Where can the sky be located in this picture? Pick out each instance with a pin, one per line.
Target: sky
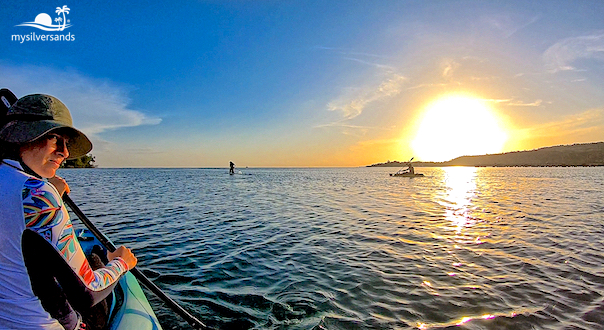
(268, 83)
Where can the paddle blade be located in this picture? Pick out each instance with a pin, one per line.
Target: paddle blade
(8, 98)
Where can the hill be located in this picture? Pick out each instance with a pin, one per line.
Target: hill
(585, 154)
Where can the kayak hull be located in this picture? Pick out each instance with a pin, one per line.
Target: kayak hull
(407, 175)
(134, 310)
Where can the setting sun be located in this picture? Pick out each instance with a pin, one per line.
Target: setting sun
(456, 126)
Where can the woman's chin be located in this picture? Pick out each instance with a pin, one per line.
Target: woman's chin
(48, 172)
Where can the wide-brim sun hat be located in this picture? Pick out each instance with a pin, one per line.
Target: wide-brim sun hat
(35, 115)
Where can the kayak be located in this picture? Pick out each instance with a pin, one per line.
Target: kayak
(130, 308)
(409, 175)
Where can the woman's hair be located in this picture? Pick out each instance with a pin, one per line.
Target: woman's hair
(9, 151)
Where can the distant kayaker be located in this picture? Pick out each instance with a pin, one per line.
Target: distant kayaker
(410, 169)
(232, 169)
(46, 281)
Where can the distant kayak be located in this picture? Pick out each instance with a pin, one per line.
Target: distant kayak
(408, 172)
(409, 175)
(130, 308)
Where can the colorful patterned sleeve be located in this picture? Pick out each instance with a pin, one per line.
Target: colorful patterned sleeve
(45, 214)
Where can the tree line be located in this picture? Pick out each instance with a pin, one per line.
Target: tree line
(85, 161)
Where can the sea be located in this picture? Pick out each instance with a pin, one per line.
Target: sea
(354, 248)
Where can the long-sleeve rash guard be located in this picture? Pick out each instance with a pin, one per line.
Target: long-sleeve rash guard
(41, 238)
(45, 214)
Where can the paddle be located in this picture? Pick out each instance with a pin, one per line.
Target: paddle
(192, 320)
(408, 164)
(7, 99)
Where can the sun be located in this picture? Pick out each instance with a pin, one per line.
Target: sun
(455, 126)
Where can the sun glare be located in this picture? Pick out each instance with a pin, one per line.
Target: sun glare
(456, 126)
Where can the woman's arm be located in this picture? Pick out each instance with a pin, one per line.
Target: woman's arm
(46, 215)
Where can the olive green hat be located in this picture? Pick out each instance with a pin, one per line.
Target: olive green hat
(33, 116)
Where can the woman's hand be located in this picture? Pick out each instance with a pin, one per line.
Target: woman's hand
(125, 254)
(60, 184)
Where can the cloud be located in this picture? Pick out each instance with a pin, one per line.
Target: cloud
(342, 124)
(353, 130)
(358, 57)
(96, 105)
(587, 126)
(377, 65)
(353, 106)
(449, 68)
(522, 104)
(507, 24)
(560, 56)
(348, 52)
(515, 103)
(497, 100)
(420, 86)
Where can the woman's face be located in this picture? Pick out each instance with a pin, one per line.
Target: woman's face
(45, 155)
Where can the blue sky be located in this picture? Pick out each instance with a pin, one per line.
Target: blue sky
(307, 83)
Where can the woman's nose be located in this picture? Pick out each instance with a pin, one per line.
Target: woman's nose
(62, 148)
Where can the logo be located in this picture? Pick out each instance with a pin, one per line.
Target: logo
(44, 22)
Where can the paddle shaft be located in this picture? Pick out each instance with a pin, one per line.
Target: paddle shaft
(192, 320)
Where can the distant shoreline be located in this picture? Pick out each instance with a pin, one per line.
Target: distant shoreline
(575, 155)
(424, 164)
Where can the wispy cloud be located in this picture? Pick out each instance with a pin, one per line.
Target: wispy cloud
(515, 103)
(377, 65)
(96, 105)
(420, 86)
(348, 128)
(523, 104)
(352, 107)
(587, 126)
(360, 57)
(349, 52)
(560, 56)
(509, 25)
(449, 68)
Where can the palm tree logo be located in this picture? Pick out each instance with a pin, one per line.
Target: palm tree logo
(63, 11)
(44, 22)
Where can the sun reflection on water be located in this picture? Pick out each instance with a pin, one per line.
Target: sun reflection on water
(460, 185)
(463, 320)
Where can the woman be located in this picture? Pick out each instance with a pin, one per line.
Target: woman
(44, 275)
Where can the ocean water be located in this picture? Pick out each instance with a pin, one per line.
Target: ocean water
(353, 248)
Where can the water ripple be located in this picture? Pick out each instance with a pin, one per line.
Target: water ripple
(477, 248)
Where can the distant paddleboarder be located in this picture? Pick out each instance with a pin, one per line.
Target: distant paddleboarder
(232, 169)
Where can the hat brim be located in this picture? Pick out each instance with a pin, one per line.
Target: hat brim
(23, 131)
